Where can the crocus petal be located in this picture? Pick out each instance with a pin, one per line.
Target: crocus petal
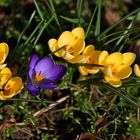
(137, 70)
(76, 59)
(4, 50)
(66, 55)
(107, 71)
(65, 39)
(57, 73)
(102, 58)
(114, 58)
(31, 74)
(88, 49)
(123, 71)
(47, 85)
(92, 71)
(44, 66)
(5, 75)
(82, 70)
(4, 47)
(52, 43)
(33, 61)
(78, 46)
(79, 32)
(128, 58)
(114, 81)
(2, 66)
(33, 89)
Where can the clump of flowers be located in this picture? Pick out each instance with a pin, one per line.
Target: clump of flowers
(69, 45)
(9, 86)
(115, 67)
(43, 74)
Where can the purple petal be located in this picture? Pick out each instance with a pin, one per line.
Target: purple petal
(33, 89)
(33, 61)
(57, 73)
(45, 84)
(31, 73)
(44, 66)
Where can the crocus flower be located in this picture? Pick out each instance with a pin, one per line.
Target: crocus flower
(90, 56)
(43, 74)
(69, 45)
(116, 66)
(9, 86)
(137, 70)
(4, 50)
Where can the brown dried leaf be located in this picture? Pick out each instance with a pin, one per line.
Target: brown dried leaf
(111, 17)
(100, 123)
(86, 136)
(7, 124)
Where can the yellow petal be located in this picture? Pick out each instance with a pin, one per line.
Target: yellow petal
(107, 71)
(66, 38)
(4, 50)
(5, 74)
(76, 59)
(128, 58)
(114, 58)
(79, 32)
(78, 46)
(137, 70)
(82, 70)
(92, 71)
(12, 87)
(102, 57)
(4, 47)
(2, 66)
(66, 55)
(52, 43)
(114, 81)
(88, 49)
(123, 71)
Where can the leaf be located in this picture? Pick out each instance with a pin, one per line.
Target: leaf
(7, 124)
(73, 20)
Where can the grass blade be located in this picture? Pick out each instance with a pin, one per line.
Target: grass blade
(90, 23)
(38, 10)
(98, 22)
(79, 8)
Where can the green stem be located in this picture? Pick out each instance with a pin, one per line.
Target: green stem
(30, 100)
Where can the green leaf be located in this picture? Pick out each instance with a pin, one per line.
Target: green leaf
(73, 20)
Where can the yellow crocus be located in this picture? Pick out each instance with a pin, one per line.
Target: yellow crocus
(90, 56)
(137, 70)
(116, 66)
(4, 50)
(69, 45)
(9, 86)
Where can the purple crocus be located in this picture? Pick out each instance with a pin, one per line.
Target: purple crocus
(43, 74)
